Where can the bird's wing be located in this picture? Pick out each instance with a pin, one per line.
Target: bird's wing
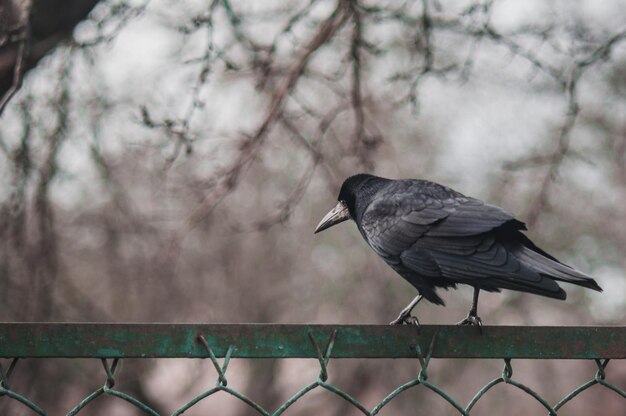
(441, 237)
(464, 247)
(480, 260)
(434, 236)
(396, 221)
(398, 218)
(472, 217)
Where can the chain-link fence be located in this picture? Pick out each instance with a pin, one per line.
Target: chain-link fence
(111, 343)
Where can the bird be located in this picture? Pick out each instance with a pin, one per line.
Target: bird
(436, 237)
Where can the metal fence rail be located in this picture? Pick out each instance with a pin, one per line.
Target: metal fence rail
(112, 342)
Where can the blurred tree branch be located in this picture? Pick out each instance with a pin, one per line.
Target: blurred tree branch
(28, 31)
(116, 148)
(251, 144)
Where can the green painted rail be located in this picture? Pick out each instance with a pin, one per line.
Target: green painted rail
(110, 340)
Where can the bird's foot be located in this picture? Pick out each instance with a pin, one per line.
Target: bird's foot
(405, 319)
(472, 320)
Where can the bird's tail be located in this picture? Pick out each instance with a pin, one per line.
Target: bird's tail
(554, 269)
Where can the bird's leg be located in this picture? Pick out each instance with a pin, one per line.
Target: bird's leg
(405, 316)
(472, 317)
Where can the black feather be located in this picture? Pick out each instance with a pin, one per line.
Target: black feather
(436, 237)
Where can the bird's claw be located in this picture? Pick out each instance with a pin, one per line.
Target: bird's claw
(472, 320)
(405, 319)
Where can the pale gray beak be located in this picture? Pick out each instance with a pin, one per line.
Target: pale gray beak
(336, 215)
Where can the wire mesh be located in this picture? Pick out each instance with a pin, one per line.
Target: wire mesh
(322, 346)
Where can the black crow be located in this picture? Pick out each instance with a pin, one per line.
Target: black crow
(434, 237)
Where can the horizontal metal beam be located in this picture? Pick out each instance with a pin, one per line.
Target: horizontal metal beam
(105, 340)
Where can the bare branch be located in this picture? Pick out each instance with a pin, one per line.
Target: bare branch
(21, 38)
(571, 115)
(251, 144)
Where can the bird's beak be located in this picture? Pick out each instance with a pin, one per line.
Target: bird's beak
(336, 215)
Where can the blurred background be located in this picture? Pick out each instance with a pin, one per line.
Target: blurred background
(167, 161)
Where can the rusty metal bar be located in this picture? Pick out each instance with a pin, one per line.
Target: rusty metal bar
(107, 340)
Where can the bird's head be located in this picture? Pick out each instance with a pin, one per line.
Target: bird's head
(347, 201)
